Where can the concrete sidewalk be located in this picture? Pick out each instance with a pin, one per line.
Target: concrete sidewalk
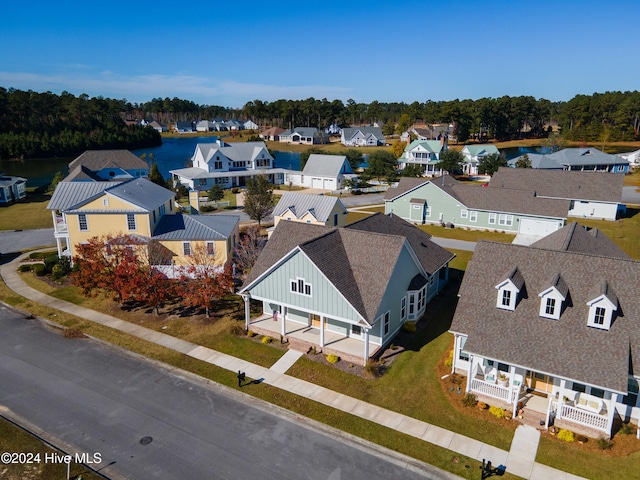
(520, 460)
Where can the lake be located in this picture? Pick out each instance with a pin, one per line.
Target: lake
(174, 153)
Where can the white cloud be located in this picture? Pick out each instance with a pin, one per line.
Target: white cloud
(143, 88)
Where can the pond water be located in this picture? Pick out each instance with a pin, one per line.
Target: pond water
(174, 153)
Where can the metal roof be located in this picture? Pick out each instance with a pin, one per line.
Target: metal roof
(196, 227)
(301, 203)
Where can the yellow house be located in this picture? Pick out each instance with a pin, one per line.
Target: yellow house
(314, 209)
(138, 207)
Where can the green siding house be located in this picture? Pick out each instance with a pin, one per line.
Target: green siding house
(444, 200)
(344, 290)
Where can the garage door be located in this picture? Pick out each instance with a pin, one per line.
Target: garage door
(537, 227)
(317, 183)
(329, 184)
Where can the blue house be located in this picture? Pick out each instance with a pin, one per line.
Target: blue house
(577, 159)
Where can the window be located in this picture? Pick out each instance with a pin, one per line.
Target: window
(427, 212)
(211, 250)
(163, 209)
(632, 397)
(492, 219)
(202, 182)
(217, 165)
(463, 355)
(464, 213)
(186, 248)
(403, 308)
(385, 323)
(335, 219)
(506, 298)
(356, 330)
(82, 222)
(473, 216)
(578, 387)
(105, 202)
(411, 303)
(300, 286)
(131, 221)
(598, 319)
(550, 307)
(154, 216)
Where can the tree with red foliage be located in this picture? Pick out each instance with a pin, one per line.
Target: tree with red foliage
(204, 282)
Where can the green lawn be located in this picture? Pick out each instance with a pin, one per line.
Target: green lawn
(30, 213)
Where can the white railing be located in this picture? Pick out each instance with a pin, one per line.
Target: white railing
(490, 389)
(61, 225)
(583, 417)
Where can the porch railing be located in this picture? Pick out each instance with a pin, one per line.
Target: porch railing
(61, 225)
(490, 389)
(583, 417)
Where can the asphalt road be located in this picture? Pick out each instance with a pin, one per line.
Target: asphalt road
(100, 400)
(13, 241)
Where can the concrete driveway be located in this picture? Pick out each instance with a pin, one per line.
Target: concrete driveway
(630, 195)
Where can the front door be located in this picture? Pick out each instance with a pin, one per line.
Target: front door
(315, 321)
(540, 382)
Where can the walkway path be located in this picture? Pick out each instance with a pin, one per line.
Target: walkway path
(520, 460)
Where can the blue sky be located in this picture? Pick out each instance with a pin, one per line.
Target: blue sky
(228, 53)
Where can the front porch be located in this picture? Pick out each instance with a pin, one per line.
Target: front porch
(303, 337)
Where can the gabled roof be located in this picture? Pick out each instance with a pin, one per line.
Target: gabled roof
(303, 131)
(431, 256)
(326, 165)
(432, 146)
(245, 151)
(69, 195)
(585, 156)
(566, 347)
(7, 180)
(272, 132)
(515, 277)
(142, 192)
(344, 255)
(83, 174)
(300, 203)
(477, 197)
(575, 238)
(574, 185)
(349, 133)
(96, 160)
(484, 149)
(195, 227)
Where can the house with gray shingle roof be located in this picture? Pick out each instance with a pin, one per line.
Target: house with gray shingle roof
(345, 290)
(591, 194)
(362, 137)
(577, 159)
(307, 208)
(444, 200)
(139, 208)
(228, 165)
(304, 135)
(565, 329)
(106, 165)
(326, 172)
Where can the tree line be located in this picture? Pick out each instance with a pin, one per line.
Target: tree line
(44, 125)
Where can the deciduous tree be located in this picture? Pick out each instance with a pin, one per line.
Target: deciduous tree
(382, 165)
(491, 163)
(451, 160)
(259, 200)
(523, 162)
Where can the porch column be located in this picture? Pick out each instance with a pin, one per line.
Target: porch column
(322, 331)
(446, 273)
(59, 245)
(612, 411)
(283, 328)
(366, 346)
(247, 311)
(512, 390)
(467, 389)
(563, 384)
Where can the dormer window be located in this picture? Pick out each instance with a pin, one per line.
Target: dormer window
(551, 299)
(602, 307)
(509, 289)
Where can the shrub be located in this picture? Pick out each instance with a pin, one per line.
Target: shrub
(49, 262)
(581, 439)
(333, 358)
(207, 208)
(469, 400)
(625, 429)
(567, 436)
(409, 327)
(266, 340)
(497, 411)
(25, 268)
(56, 272)
(449, 361)
(235, 190)
(372, 368)
(508, 414)
(604, 443)
(40, 270)
(251, 333)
